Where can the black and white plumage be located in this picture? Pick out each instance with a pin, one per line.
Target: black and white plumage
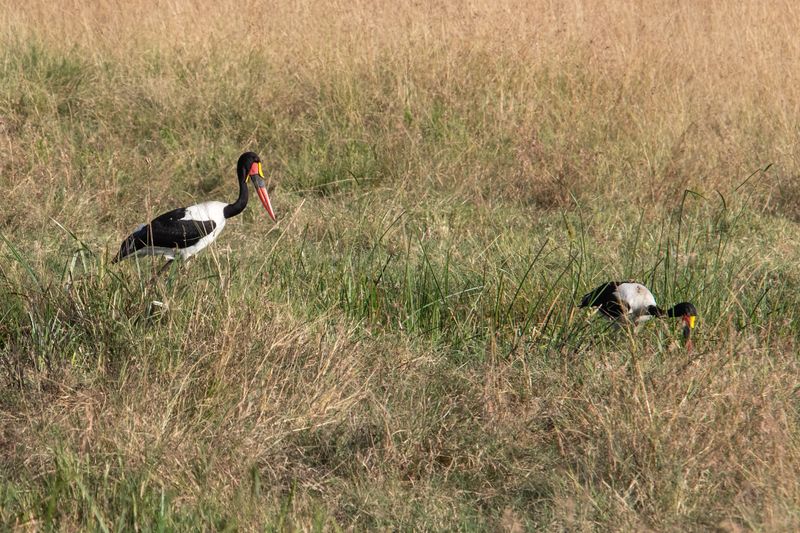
(633, 303)
(185, 231)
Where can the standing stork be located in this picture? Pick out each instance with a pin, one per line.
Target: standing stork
(185, 231)
(634, 303)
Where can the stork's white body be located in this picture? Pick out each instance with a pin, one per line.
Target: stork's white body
(637, 298)
(203, 212)
(200, 212)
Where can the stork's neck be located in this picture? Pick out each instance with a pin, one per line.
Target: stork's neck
(231, 210)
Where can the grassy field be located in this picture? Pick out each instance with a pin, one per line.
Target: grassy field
(402, 349)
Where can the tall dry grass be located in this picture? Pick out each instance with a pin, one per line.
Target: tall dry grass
(402, 350)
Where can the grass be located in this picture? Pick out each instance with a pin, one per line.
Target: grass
(402, 349)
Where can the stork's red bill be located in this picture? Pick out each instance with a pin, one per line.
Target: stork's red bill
(257, 177)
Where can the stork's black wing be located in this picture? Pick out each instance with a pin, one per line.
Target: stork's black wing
(599, 295)
(169, 231)
(166, 231)
(603, 297)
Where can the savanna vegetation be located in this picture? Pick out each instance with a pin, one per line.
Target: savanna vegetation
(402, 349)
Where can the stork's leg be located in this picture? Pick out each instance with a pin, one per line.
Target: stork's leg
(161, 270)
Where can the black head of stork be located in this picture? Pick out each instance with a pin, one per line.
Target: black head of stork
(249, 168)
(687, 312)
(185, 231)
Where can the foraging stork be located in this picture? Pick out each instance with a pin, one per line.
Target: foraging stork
(634, 303)
(185, 231)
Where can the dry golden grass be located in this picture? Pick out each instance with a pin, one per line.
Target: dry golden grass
(402, 350)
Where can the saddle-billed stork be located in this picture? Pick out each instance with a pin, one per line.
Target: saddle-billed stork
(634, 303)
(185, 231)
